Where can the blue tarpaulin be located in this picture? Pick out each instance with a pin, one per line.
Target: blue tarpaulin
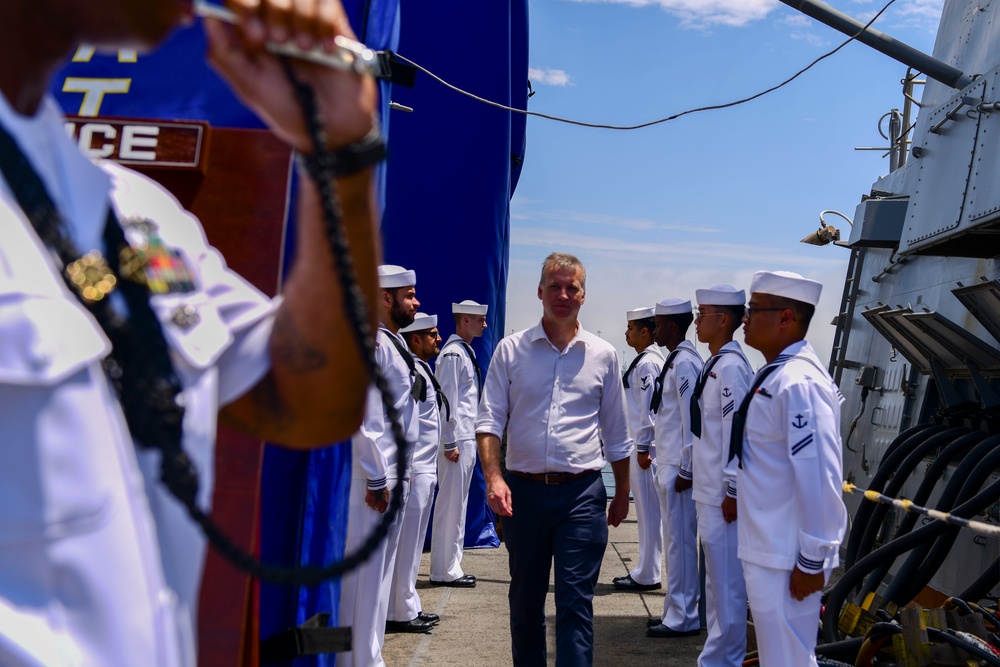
(446, 187)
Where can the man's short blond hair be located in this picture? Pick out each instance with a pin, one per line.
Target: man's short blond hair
(561, 261)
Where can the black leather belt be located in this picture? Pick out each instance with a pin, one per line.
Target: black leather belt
(552, 477)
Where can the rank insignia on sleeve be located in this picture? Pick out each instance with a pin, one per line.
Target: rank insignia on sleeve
(645, 382)
(800, 422)
(147, 260)
(727, 392)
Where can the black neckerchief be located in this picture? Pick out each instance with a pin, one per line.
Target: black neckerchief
(657, 398)
(442, 400)
(631, 367)
(699, 389)
(475, 364)
(419, 389)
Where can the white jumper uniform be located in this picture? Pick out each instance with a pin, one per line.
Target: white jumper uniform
(791, 508)
(714, 477)
(99, 565)
(647, 503)
(364, 593)
(677, 511)
(456, 371)
(404, 601)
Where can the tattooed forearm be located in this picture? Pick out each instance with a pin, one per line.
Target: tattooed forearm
(290, 349)
(260, 413)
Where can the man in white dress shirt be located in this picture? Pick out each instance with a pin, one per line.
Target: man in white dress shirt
(364, 593)
(672, 403)
(638, 381)
(722, 384)
(461, 381)
(786, 435)
(99, 564)
(405, 613)
(557, 390)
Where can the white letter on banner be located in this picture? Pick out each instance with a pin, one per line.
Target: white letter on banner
(87, 132)
(93, 92)
(139, 136)
(85, 52)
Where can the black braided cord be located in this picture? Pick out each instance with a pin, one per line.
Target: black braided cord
(321, 167)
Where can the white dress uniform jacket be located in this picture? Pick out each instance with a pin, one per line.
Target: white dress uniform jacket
(99, 565)
(458, 378)
(647, 504)
(677, 510)
(714, 477)
(791, 508)
(791, 511)
(459, 382)
(404, 601)
(672, 431)
(364, 594)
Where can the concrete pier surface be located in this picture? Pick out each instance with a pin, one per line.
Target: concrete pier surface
(475, 628)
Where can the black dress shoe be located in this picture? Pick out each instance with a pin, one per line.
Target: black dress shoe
(416, 625)
(627, 583)
(433, 619)
(661, 631)
(465, 581)
(652, 622)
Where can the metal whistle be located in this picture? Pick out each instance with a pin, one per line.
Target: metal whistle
(350, 56)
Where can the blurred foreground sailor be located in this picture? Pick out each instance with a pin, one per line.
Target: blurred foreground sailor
(99, 564)
(792, 516)
(672, 404)
(557, 390)
(638, 382)
(405, 611)
(461, 381)
(721, 386)
(364, 593)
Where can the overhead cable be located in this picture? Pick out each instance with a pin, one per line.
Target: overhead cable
(658, 121)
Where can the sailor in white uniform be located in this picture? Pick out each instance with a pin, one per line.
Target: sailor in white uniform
(638, 382)
(99, 564)
(364, 593)
(405, 613)
(671, 402)
(721, 386)
(461, 381)
(792, 516)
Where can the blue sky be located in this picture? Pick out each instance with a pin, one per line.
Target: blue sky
(711, 197)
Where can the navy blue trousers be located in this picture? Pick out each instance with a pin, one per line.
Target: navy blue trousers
(567, 524)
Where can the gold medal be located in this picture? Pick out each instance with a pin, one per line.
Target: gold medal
(91, 276)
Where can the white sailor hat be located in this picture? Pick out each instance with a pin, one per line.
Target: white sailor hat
(391, 276)
(672, 307)
(421, 322)
(787, 284)
(721, 295)
(468, 308)
(639, 314)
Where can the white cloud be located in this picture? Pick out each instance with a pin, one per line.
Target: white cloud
(548, 76)
(687, 253)
(930, 9)
(618, 222)
(795, 20)
(705, 13)
(809, 38)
